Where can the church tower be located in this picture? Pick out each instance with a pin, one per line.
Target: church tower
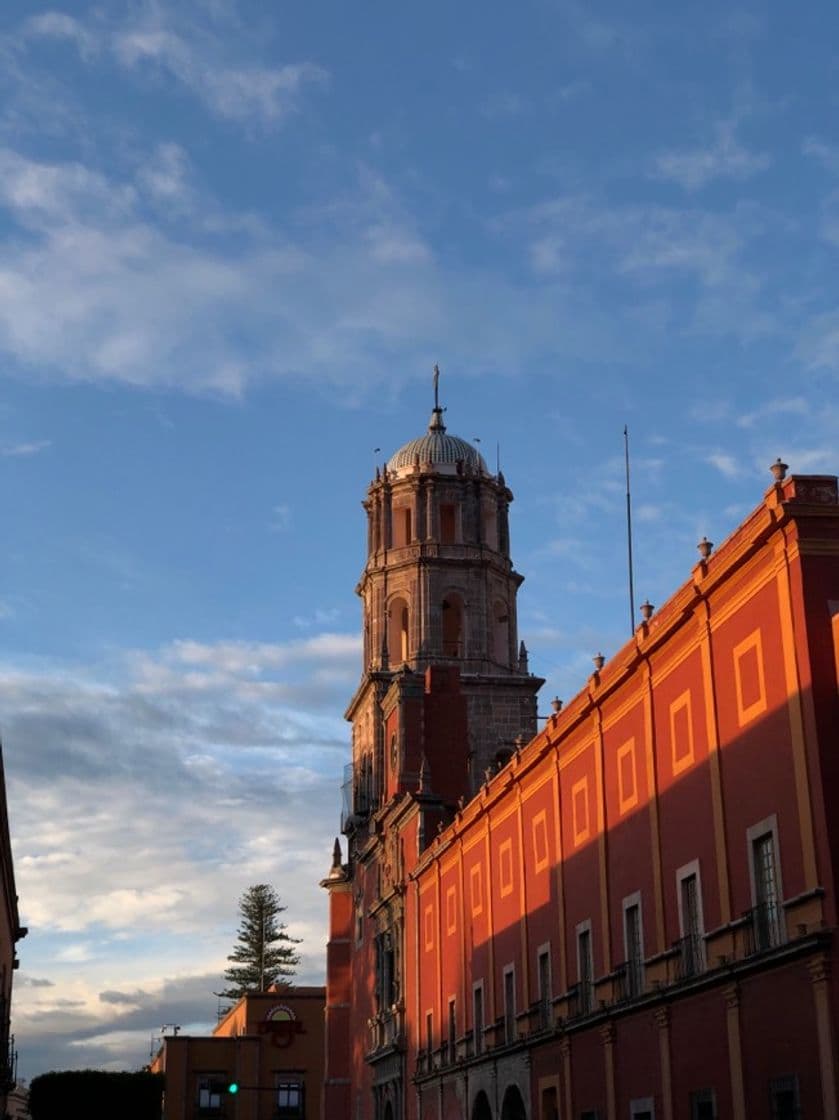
(439, 589)
(445, 696)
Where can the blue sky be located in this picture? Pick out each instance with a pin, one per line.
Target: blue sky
(234, 239)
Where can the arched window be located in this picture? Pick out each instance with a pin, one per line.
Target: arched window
(501, 633)
(453, 625)
(398, 645)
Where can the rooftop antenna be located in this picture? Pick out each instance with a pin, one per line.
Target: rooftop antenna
(629, 533)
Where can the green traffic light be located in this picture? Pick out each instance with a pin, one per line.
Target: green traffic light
(233, 1087)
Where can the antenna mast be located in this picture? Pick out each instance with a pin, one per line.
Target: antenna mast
(629, 533)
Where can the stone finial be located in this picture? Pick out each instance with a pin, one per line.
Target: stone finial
(522, 658)
(647, 610)
(336, 870)
(519, 741)
(423, 776)
(599, 661)
(705, 547)
(779, 470)
(556, 704)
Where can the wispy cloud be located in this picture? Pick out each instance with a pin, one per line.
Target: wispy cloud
(786, 406)
(193, 56)
(726, 464)
(144, 756)
(825, 153)
(24, 449)
(818, 346)
(724, 158)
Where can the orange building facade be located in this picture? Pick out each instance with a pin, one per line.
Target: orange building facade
(269, 1043)
(631, 913)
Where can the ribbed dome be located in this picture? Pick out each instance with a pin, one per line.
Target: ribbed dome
(437, 447)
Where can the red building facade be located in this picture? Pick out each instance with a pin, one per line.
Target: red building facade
(631, 913)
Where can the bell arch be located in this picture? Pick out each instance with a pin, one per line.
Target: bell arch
(398, 630)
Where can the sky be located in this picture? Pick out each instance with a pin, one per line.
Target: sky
(235, 237)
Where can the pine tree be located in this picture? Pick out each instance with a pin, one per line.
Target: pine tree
(264, 953)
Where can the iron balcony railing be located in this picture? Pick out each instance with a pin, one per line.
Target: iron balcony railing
(690, 956)
(764, 928)
(629, 980)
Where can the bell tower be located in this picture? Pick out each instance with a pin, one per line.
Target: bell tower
(445, 694)
(439, 589)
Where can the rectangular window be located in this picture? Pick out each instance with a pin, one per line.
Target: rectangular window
(478, 1017)
(290, 1100)
(642, 1109)
(692, 944)
(452, 1030)
(429, 1033)
(509, 1004)
(544, 973)
(703, 1105)
(585, 970)
(633, 946)
(210, 1090)
(766, 913)
(783, 1098)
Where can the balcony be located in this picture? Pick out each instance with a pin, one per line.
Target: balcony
(386, 1030)
(628, 980)
(764, 929)
(690, 956)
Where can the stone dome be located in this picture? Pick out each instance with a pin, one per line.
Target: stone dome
(438, 448)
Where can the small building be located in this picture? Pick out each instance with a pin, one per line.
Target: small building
(269, 1044)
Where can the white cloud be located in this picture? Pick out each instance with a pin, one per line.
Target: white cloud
(164, 174)
(827, 154)
(786, 406)
(238, 93)
(280, 517)
(726, 464)
(144, 796)
(25, 448)
(818, 346)
(58, 25)
(192, 54)
(725, 158)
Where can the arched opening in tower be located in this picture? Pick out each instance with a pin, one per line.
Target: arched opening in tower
(398, 637)
(481, 1108)
(453, 625)
(512, 1107)
(501, 634)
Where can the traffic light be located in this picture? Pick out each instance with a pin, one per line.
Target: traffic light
(221, 1085)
